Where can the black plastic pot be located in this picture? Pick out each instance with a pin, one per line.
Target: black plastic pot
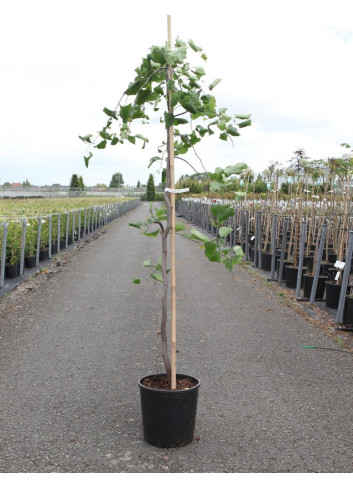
(266, 261)
(12, 271)
(43, 255)
(333, 292)
(292, 275)
(54, 248)
(348, 310)
(30, 261)
(168, 416)
(308, 285)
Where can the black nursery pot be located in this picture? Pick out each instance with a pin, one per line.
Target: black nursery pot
(30, 261)
(308, 285)
(12, 271)
(292, 276)
(43, 255)
(348, 311)
(333, 292)
(266, 261)
(168, 416)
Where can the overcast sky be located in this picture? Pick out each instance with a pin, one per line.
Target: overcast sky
(288, 63)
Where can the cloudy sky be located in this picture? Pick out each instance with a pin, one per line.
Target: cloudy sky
(288, 63)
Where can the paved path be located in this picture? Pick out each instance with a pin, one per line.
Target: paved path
(71, 352)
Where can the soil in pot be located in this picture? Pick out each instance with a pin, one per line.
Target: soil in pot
(168, 416)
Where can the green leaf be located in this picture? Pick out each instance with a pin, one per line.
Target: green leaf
(102, 144)
(233, 131)
(169, 119)
(211, 251)
(87, 158)
(243, 116)
(215, 83)
(147, 263)
(86, 139)
(136, 281)
(235, 169)
(199, 236)
(224, 231)
(215, 186)
(201, 130)
(193, 46)
(191, 103)
(105, 135)
(179, 227)
(245, 123)
(143, 95)
(176, 55)
(223, 136)
(157, 276)
(152, 234)
(158, 55)
(115, 141)
(222, 212)
(152, 160)
(125, 112)
(199, 71)
(133, 88)
(180, 120)
(110, 113)
(138, 224)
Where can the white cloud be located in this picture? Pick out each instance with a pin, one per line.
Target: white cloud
(287, 63)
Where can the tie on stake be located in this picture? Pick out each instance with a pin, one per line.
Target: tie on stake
(325, 348)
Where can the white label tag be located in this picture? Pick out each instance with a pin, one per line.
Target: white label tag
(176, 190)
(339, 264)
(337, 275)
(252, 239)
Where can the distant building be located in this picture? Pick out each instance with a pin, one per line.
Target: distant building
(15, 185)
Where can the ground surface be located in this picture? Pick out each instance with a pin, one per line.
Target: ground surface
(76, 337)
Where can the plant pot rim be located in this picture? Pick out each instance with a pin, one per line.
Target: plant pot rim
(172, 392)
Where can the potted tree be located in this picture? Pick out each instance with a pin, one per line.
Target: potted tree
(164, 76)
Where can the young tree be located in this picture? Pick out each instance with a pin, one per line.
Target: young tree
(74, 184)
(117, 180)
(81, 185)
(151, 190)
(165, 77)
(138, 185)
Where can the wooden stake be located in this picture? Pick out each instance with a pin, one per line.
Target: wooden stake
(172, 235)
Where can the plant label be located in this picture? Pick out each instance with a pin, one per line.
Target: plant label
(176, 190)
(339, 264)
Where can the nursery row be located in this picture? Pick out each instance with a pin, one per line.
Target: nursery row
(311, 255)
(27, 240)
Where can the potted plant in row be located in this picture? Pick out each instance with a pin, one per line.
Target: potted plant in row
(165, 77)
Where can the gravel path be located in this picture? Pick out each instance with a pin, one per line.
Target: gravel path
(76, 337)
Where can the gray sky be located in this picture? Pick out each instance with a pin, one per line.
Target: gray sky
(289, 64)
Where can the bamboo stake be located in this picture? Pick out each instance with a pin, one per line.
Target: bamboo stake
(172, 235)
